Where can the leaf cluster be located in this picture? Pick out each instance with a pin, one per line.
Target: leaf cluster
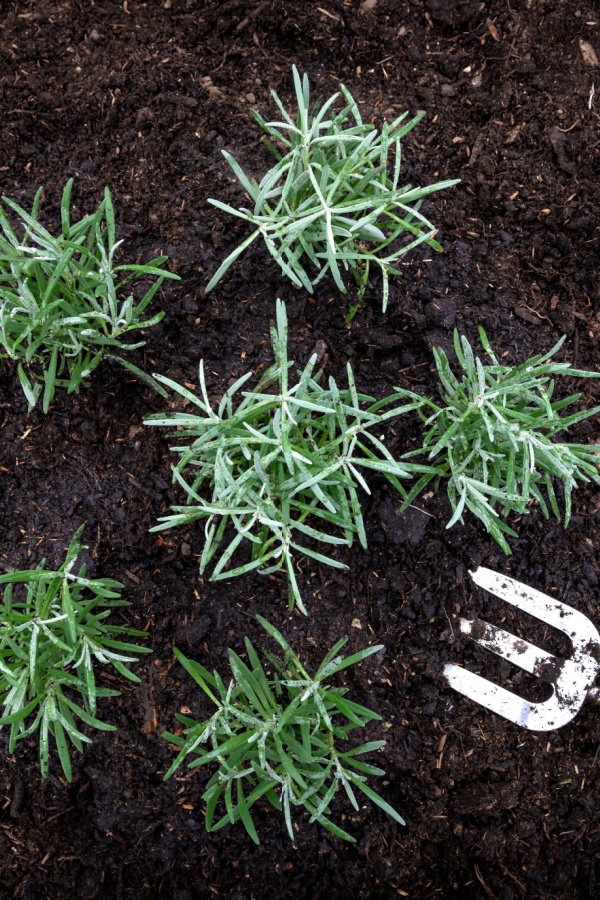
(60, 312)
(50, 643)
(279, 736)
(281, 459)
(493, 438)
(330, 204)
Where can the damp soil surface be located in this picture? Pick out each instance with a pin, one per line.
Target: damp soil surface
(143, 97)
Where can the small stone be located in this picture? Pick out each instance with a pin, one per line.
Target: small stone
(590, 575)
(192, 633)
(250, 97)
(94, 36)
(355, 623)
(186, 550)
(144, 116)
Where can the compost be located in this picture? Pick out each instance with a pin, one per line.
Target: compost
(143, 97)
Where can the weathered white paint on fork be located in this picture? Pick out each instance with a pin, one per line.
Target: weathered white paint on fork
(571, 679)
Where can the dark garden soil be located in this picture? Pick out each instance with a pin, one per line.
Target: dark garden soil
(143, 97)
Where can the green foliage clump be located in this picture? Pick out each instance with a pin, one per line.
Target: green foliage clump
(493, 437)
(50, 643)
(330, 204)
(60, 312)
(279, 735)
(279, 460)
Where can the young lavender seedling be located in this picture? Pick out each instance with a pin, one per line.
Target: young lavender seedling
(60, 311)
(281, 466)
(280, 736)
(493, 438)
(330, 204)
(51, 641)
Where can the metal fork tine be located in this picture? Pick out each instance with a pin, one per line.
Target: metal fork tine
(492, 696)
(534, 716)
(550, 611)
(515, 650)
(571, 679)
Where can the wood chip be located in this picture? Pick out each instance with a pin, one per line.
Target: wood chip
(513, 134)
(588, 53)
(492, 29)
(330, 15)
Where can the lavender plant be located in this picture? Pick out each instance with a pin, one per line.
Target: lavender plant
(284, 465)
(330, 205)
(493, 438)
(51, 642)
(61, 309)
(279, 735)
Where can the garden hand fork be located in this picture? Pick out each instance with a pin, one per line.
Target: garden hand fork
(571, 679)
